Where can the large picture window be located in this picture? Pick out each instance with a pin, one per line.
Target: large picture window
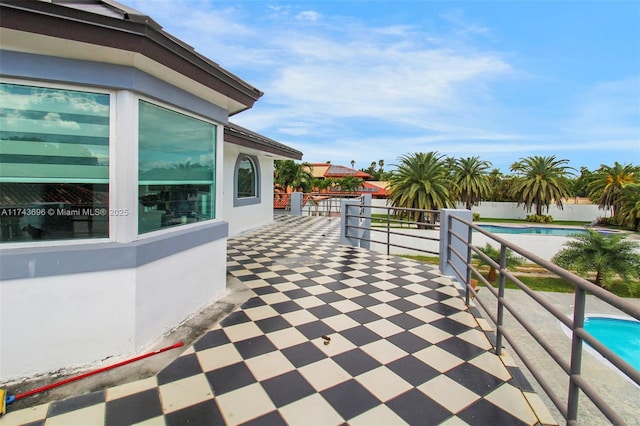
(54, 163)
(176, 168)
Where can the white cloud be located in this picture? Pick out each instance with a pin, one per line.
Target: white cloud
(335, 83)
(53, 119)
(309, 15)
(608, 110)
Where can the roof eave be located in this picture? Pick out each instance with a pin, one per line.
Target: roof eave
(243, 137)
(136, 33)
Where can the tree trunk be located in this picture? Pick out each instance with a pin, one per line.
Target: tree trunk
(421, 221)
(491, 277)
(598, 280)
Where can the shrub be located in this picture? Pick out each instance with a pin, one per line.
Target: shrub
(604, 221)
(539, 218)
(475, 216)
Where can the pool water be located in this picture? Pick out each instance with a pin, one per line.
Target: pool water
(533, 230)
(619, 335)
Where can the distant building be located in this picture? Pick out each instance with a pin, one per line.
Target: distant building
(324, 170)
(376, 189)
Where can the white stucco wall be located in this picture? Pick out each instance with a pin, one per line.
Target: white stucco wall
(75, 320)
(53, 322)
(173, 288)
(578, 212)
(244, 218)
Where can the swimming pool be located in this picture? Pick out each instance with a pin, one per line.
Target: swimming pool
(621, 336)
(533, 230)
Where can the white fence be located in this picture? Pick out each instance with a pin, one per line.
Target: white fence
(578, 212)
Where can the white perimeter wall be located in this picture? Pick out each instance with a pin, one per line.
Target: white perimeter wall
(244, 218)
(75, 320)
(578, 212)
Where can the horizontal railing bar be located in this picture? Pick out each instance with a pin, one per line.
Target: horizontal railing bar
(484, 257)
(600, 403)
(393, 245)
(540, 299)
(419, 237)
(457, 253)
(456, 235)
(487, 310)
(555, 355)
(618, 302)
(457, 271)
(560, 405)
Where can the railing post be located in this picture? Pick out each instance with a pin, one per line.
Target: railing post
(469, 257)
(388, 232)
(296, 204)
(576, 355)
(349, 219)
(501, 284)
(366, 222)
(461, 246)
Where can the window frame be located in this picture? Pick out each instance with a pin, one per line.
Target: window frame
(247, 201)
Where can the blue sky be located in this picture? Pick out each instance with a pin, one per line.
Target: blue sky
(372, 80)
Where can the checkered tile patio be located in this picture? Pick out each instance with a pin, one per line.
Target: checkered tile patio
(332, 335)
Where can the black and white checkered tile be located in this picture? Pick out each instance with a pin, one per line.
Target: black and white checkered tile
(333, 335)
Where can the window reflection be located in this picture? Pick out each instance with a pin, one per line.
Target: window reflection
(53, 211)
(54, 163)
(176, 168)
(246, 178)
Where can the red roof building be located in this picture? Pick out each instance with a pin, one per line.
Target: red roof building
(325, 170)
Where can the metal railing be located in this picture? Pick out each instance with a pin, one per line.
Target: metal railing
(394, 229)
(456, 254)
(572, 368)
(312, 203)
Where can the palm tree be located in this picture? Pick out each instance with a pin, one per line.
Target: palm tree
(605, 254)
(494, 254)
(291, 175)
(495, 181)
(349, 184)
(421, 182)
(470, 175)
(450, 163)
(629, 212)
(607, 182)
(579, 184)
(321, 184)
(372, 168)
(541, 181)
(353, 163)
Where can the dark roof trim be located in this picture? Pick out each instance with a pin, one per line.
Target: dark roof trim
(240, 136)
(133, 32)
